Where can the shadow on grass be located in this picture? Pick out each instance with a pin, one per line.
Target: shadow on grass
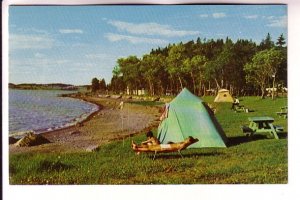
(53, 166)
(234, 141)
(185, 155)
(282, 135)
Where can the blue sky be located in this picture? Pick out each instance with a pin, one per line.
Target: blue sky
(73, 44)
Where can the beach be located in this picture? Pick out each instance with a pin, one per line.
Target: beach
(107, 124)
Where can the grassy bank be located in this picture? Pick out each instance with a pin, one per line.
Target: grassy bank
(259, 160)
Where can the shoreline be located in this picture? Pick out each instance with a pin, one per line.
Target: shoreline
(74, 122)
(87, 118)
(106, 124)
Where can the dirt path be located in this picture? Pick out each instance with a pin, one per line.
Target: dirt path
(110, 123)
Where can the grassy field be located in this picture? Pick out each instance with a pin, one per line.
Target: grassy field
(258, 160)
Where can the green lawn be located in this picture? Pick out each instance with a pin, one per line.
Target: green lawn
(259, 160)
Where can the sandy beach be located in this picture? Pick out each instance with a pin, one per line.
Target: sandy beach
(108, 124)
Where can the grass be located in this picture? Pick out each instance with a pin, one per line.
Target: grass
(256, 161)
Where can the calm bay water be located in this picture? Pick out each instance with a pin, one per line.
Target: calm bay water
(43, 110)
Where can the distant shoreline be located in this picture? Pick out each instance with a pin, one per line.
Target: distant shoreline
(50, 86)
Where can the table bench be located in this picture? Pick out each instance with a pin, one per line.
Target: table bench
(261, 125)
(283, 112)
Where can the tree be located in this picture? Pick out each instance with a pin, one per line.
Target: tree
(95, 85)
(130, 68)
(175, 62)
(225, 64)
(117, 83)
(244, 50)
(152, 66)
(116, 71)
(263, 66)
(195, 67)
(102, 85)
(280, 41)
(267, 43)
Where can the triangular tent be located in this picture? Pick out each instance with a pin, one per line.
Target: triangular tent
(223, 96)
(187, 115)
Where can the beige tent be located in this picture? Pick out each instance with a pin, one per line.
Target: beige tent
(223, 96)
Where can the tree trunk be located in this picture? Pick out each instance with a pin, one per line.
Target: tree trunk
(162, 90)
(231, 89)
(262, 92)
(150, 87)
(180, 81)
(200, 88)
(194, 85)
(218, 86)
(273, 88)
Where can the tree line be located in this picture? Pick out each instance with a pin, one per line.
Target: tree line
(243, 67)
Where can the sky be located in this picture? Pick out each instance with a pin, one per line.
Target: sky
(74, 44)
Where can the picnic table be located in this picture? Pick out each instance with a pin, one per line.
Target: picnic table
(262, 125)
(283, 112)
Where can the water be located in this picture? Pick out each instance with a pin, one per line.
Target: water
(43, 110)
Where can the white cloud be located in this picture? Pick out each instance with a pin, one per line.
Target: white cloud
(134, 40)
(251, 16)
(39, 55)
(25, 30)
(219, 15)
(35, 62)
(271, 17)
(100, 56)
(150, 29)
(70, 31)
(280, 22)
(203, 15)
(30, 41)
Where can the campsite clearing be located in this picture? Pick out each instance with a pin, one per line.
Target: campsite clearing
(255, 161)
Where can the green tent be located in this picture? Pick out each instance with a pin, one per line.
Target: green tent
(187, 115)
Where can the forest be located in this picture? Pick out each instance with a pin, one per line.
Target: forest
(204, 66)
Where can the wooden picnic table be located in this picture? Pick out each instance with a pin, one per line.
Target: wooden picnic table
(262, 125)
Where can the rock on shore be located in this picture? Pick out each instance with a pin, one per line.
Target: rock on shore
(31, 139)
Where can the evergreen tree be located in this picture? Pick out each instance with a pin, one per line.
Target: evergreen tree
(267, 43)
(95, 85)
(280, 41)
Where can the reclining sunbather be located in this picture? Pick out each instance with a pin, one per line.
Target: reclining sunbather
(164, 147)
(151, 140)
